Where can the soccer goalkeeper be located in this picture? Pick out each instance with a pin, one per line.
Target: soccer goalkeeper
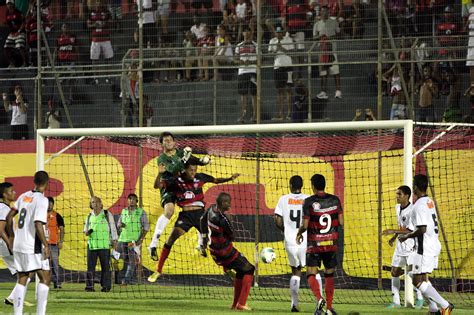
(171, 164)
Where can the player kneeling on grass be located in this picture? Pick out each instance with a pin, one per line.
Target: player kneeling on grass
(322, 219)
(427, 246)
(402, 250)
(223, 251)
(190, 197)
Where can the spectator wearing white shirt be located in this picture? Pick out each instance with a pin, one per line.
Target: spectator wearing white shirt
(246, 57)
(325, 30)
(282, 70)
(224, 55)
(198, 28)
(53, 116)
(19, 108)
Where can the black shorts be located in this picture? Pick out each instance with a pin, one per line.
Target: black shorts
(197, 4)
(329, 260)
(188, 219)
(282, 77)
(247, 84)
(19, 132)
(240, 264)
(149, 35)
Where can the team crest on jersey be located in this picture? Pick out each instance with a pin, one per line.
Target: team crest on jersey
(316, 206)
(404, 218)
(189, 195)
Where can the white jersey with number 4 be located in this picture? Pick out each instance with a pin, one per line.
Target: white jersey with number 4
(290, 208)
(424, 214)
(404, 223)
(32, 206)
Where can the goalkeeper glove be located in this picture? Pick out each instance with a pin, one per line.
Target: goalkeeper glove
(205, 160)
(186, 154)
(153, 254)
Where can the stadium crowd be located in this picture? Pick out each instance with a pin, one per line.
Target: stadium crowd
(200, 34)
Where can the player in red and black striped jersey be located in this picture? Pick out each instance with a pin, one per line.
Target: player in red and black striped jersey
(187, 189)
(323, 219)
(223, 251)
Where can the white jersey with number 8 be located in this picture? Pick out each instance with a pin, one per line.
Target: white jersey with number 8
(32, 206)
(290, 208)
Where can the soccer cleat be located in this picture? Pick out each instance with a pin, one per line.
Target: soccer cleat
(331, 312)
(240, 307)
(319, 307)
(295, 309)
(154, 277)
(393, 305)
(338, 94)
(448, 310)
(322, 95)
(8, 301)
(419, 304)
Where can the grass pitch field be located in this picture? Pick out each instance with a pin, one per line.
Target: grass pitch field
(73, 300)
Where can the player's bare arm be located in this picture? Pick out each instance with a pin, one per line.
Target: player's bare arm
(4, 236)
(9, 227)
(420, 230)
(224, 180)
(302, 229)
(39, 226)
(161, 170)
(279, 222)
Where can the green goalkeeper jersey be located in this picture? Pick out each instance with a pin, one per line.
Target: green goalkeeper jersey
(173, 164)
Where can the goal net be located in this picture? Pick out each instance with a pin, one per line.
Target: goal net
(363, 162)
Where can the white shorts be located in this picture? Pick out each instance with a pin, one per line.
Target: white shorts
(101, 47)
(422, 263)
(30, 262)
(399, 261)
(296, 256)
(298, 38)
(10, 262)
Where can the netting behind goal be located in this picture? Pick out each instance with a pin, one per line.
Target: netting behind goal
(363, 168)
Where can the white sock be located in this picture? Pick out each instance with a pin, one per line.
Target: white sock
(43, 290)
(320, 282)
(294, 287)
(419, 296)
(160, 226)
(430, 292)
(20, 292)
(432, 306)
(396, 290)
(11, 297)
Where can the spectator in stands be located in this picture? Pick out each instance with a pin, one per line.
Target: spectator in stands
(53, 116)
(162, 14)
(281, 46)
(99, 22)
(224, 55)
(66, 54)
(150, 38)
(19, 109)
(447, 32)
(115, 8)
(16, 40)
(326, 30)
(246, 57)
(451, 87)
(55, 226)
(427, 89)
(396, 15)
(299, 111)
(31, 27)
(240, 15)
(296, 25)
(198, 28)
(190, 59)
(399, 107)
(369, 115)
(271, 15)
(205, 46)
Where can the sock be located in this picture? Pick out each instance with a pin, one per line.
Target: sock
(11, 297)
(43, 290)
(320, 282)
(329, 289)
(19, 298)
(419, 296)
(160, 226)
(237, 290)
(313, 284)
(430, 292)
(432, 306)
(396, 290)
(294, 287)
(164, 255)
(246, 285)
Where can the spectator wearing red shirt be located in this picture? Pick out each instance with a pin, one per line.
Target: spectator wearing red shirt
(32, 34)
(297, 12)
(99, 22)
(447, 32)
(16, 38)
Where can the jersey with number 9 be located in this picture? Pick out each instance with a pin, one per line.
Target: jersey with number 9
(32, 206)
(322, 211)
(290, 208)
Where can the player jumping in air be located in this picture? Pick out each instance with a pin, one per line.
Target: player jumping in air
(427, 246)
(402, 250)
(223, 251)
(171, 164)
(323, 217)
(30, 247)
(187, 189)
(288, 218)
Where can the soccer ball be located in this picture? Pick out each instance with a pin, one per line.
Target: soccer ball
(267, 255)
